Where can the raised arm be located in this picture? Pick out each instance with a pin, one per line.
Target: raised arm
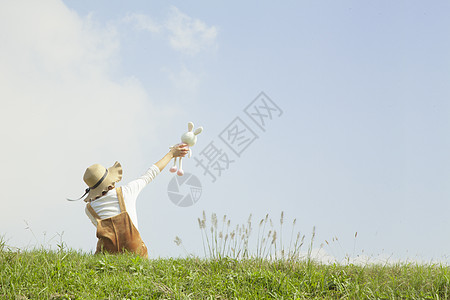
(177, 151)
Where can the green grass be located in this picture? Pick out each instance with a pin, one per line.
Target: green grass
(66, 274)
(275, 269)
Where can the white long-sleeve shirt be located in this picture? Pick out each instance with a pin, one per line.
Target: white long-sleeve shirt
(108, 205)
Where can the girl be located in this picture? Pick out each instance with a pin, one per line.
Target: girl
(113, 210)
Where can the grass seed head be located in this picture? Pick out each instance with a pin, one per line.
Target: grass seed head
(214, 220)
(201, 223)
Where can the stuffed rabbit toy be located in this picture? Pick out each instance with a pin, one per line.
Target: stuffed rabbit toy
(189, 138)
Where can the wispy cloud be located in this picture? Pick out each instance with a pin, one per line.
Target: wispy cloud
(184, 79)
(185, 34)
(190, 35)
(143, 22)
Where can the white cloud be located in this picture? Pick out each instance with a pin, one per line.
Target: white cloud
(61, 111)
(184, 79)
(190, 35)
(143, 22)
(184, 33)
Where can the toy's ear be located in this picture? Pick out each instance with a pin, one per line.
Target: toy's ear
(198, 130)
(190, 126)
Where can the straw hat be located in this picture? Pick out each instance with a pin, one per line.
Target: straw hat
(98, 179)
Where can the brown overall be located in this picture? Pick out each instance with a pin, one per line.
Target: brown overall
(118, 234)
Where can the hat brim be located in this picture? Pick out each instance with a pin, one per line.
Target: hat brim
(114, 175)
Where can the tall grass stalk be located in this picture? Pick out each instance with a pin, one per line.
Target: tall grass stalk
(232, 241)
(281, 235)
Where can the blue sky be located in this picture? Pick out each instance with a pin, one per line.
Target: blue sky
(361, 146)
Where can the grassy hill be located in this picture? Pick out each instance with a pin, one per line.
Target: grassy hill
(45, 274)
(272, 270)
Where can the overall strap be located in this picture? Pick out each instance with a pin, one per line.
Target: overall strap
(120, 197)
(92, 211)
